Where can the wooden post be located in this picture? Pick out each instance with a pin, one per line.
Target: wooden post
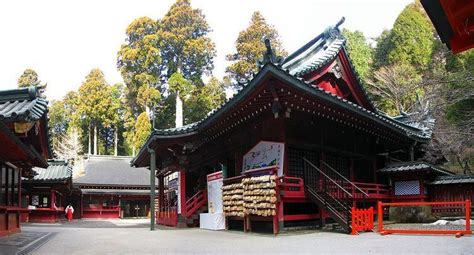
(380, 216)
(468, 215)
(371, 218)
(19, 189)
(182, 192)
(353, 222)
(161, 192)
(374, 168)
(53, 198)
(352, 178)
(82, 206)
(152, 187)
(422, 189)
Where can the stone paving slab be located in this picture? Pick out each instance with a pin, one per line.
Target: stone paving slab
(164, 240)
(95, 223)
(23, 242)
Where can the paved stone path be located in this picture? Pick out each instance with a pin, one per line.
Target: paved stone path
(24, 242)
(129, 237)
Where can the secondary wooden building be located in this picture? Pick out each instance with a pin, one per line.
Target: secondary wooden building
(47, 193)
(308, 123)
(108, 187)
(24, 144)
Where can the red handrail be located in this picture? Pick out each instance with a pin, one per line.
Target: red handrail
(193, 204)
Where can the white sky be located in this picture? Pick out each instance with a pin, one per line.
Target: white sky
(64, 40)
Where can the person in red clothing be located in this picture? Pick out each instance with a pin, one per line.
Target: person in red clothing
(69, 211)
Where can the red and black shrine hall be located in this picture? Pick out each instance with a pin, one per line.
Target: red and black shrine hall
(25, 144)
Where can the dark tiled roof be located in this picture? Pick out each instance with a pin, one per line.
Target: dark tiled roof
(22, 105)
(455, 179)
(178, 130)
(413, 166)
(116, 191)
(112, 171)
(315, 54)
(56, 171)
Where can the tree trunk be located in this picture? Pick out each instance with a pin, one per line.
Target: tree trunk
(116, 142)
(179, 111)
(90, 140)
(95, 139)
(461, 164)
(133, 151)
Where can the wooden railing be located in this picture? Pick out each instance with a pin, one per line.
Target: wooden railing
(195, 203)
(292, 187)
(329, 193)
(362, 220)
(373, 190)
(466, 210)
(167, 216)
(346, 183)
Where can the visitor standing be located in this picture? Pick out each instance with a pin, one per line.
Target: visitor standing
(69, 211)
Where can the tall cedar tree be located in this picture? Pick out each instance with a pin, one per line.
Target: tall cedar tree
(359, 50)
(250, 48)
(184, 43)
(95, 104)
(203, 100)
(155, 50)
(139, 61)
(142, 131)
(410, 41)
(29, 77)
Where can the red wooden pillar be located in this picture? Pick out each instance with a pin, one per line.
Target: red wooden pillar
(422, 189)
(374, 167)
(278, 219)
(379, 216)
(182, 191)
(352, 178)
(161, 192)
(19, 188)
(82, 206)
(467, 207)
(53, 198)
(322, 214)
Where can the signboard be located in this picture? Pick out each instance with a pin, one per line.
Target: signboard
(264, 154)
(35, 200)
(214, 220)
(214, 192)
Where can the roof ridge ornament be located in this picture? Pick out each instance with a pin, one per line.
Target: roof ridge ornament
(333, 32)
(269, 56)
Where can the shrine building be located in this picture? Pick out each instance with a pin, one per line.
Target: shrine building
(300, 144)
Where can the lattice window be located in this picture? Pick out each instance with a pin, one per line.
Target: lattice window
(295, 161)
(403, 188)
(340, 164)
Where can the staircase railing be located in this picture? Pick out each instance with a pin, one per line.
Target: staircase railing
(329, 193)
(346, 181)
(197, 201)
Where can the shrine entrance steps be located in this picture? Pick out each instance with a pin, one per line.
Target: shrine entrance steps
(328, 189)
(194, 206)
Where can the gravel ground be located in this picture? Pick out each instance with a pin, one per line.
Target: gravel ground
(418, 226)
(72, 239)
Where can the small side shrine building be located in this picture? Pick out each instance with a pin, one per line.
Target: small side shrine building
(110, 188)
(300, 143)
(24, 144)
(47, 193)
